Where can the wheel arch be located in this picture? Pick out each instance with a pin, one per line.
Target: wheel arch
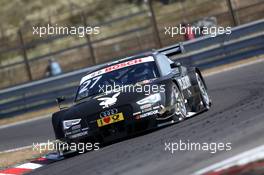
(57, 125)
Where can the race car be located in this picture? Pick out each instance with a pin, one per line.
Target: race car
(129, 96)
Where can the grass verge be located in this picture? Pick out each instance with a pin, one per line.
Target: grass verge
(8, 159)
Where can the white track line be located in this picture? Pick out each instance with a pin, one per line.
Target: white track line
(240, 159)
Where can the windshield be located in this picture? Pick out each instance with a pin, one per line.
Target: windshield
(126, 73)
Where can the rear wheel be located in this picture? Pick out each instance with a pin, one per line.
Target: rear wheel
(203, 91)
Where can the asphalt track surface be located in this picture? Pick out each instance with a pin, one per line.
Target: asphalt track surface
(26, 134)
(237, 116)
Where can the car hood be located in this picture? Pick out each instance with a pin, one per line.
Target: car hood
(99, 103)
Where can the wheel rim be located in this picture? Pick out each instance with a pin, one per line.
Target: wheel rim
(180, 105)
(203, 90)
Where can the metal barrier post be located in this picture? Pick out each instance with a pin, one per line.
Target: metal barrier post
(154, 23)
(88, 39)
(25, 55)
(232, 13)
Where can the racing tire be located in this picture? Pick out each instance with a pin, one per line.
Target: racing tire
(206, 100)
(180, 107)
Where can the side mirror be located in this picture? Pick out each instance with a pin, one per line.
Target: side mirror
(59, 100)
(175, 65)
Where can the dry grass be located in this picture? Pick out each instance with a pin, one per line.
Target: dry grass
(17, 157)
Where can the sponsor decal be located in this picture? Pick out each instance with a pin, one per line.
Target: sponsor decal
(146, 110)
(122, 65)
(110, 119)
(78, 135)
(74, 131)
(108, 101)
(137, 113)
(184, 82)
(116, 67)
(148, 114)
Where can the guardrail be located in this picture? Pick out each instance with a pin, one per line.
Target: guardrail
(244, 41)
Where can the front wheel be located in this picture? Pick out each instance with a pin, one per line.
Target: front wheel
(180, 107)
(203, 91)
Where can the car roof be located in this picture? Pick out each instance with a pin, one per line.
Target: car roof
(109, 64)
(120, 60)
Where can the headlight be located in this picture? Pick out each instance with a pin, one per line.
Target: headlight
(150, 99)
(68, 123)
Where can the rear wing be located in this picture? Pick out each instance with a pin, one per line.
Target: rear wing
(172, 51)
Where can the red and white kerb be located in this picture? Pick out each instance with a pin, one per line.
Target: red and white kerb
(26, 167)
(116, 67)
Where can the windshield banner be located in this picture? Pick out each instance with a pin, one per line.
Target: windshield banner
(116, 67)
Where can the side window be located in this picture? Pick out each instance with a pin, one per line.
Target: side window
(164, 64)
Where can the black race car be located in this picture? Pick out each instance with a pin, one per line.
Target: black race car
(129, 96)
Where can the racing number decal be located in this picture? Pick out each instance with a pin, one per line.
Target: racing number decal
(85, 85)
(184, 82)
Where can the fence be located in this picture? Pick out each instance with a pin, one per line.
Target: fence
(25, 58)
(245, 41)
